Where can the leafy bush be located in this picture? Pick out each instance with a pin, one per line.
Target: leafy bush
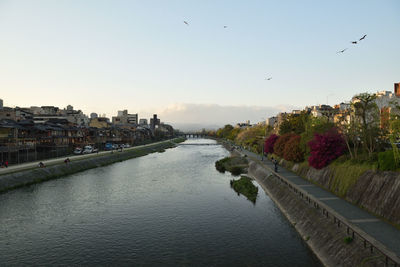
(279, 145)
(325, 148)
(237, 170)
(246, 187)
(220, 164)
(348, 239)
(386, 161)
(235, 165)
(269, 143)
(292, 151)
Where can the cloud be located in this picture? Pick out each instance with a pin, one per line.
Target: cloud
(217, 115)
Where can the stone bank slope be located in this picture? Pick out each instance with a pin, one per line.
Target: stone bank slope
(376, 191)
(36, 175)
(321, 235)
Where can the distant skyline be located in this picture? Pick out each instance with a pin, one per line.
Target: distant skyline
(105, 56)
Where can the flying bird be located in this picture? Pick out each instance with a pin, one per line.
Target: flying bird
(268, 78)
(362, 38)
(354, 42)
(341, 51)
(225, 27)
(186, 23)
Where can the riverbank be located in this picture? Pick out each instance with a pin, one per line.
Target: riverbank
(327, 241)
(31, 174)
(336, 238)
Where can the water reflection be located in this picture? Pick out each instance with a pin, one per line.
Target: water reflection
(168, 209)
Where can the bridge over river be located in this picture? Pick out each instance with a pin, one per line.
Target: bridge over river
(198, 144)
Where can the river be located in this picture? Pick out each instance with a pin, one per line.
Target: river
(165, 209)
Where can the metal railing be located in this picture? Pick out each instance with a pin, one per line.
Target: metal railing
(374, 245)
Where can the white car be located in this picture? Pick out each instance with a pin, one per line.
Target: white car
(78, 151)
(87, 150)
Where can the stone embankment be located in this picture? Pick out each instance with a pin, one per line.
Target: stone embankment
(375, 191)
(26, 177)
(324, 238)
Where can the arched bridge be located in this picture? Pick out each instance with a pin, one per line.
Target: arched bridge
(193, 135)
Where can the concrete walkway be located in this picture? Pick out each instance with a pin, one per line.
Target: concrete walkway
(378, 229)
(54, 161)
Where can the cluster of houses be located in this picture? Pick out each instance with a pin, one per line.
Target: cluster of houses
(35, 133)
(386, 101)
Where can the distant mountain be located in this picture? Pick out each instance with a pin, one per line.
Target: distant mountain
(187, 117)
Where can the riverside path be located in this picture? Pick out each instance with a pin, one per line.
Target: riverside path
(383, 232)
(60, 160)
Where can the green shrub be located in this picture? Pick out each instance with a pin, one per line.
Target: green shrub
(236, 170)
(348, 239)
(235, 165)
(245, 187)
(386, 161)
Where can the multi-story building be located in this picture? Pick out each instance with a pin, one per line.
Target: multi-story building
(124, 117)
(154, 122)
(100, 122)
(397, 89)
(271, 121)
(143, 122)
(75, 116)
(323, 111)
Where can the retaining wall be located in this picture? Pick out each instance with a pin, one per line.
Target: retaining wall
(27, 177)
(324, 237)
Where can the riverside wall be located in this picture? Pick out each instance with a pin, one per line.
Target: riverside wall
(26, 177)
(378, 192)
(324, 238)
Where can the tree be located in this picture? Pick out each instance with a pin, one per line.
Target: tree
(292, 150)
(294, 123)
(269, 143)
(312, 126)
(367, 113)
(350, 129)
(224, 132)
(325, 148)
(279, 145)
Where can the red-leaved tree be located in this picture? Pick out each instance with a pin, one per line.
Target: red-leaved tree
(269, 143)
(279, 145)
(292, 151)
(325, 148)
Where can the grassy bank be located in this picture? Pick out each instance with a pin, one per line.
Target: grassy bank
(235, 165)
(245, 187)
(27, 177)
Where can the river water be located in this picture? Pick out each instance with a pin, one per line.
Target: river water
(165, 209)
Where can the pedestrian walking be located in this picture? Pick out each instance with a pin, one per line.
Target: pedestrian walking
(275, 165)
(6, 163)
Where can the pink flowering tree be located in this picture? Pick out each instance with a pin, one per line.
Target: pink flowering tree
(325, 148)
(269, 143)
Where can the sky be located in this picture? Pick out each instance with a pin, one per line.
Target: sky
(105, 56)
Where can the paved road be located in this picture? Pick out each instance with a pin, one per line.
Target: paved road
(48, 162)
(383, 232)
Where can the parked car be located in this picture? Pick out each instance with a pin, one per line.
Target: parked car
(115, 146)
(95, 150)
(108, 146)
(87, 150)
(127, 145)
(78, 151)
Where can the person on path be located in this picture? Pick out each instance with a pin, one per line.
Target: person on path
(6, 163)
(275, 164)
